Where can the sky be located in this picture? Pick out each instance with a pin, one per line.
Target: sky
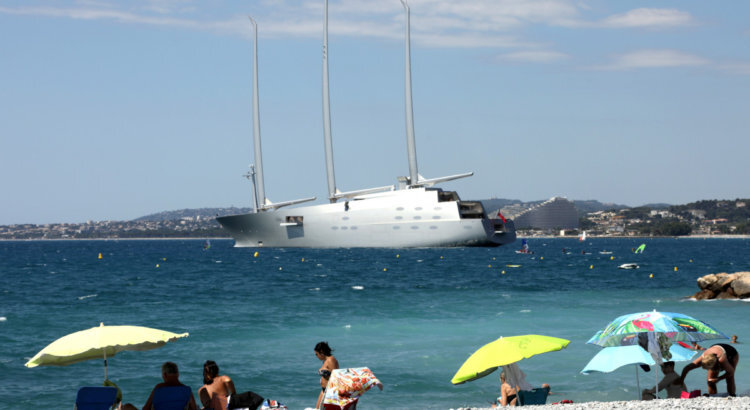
(115, 110)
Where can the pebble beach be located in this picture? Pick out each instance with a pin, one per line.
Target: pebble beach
(673, 404)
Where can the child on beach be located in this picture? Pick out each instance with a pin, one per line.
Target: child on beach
(670, 382)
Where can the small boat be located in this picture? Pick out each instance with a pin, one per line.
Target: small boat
(605, 253)
(628, 266)
(524, 248)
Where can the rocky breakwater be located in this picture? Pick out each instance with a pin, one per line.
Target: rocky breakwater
(724, 286)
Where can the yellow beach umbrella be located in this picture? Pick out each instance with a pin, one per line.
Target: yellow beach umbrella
(504, 351)
(100, 342)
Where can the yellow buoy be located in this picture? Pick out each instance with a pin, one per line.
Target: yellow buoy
(489, 266)
(441, 257)
(651, 276)
(591, 267)
(157, 265)
(164, 259)
(303, 259)
(494, 259)
(675, 268)
(255, 255)
(541, 258)
(384, 269)
(100, 255)
(279, 267)
(691, 261)
(503, 272)
(398, 256)
(611, 258)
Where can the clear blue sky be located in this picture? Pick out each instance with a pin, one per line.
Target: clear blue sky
(113, 110)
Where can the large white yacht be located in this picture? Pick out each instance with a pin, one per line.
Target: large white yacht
(412, 214)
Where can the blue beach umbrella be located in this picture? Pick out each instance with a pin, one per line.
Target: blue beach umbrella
(612, 358)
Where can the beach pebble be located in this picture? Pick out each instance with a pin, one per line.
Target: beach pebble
(698, 403)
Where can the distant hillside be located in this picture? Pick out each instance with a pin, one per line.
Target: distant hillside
(583, 207)
(591, 205)
(733, 210)
(192, 213)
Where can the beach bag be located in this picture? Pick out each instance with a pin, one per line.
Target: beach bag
(272, 405)
(690, 395)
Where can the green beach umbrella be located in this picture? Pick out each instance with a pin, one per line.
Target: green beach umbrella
(504, 351)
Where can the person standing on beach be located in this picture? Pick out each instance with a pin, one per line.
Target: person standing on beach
(715, 359)
(325, 354)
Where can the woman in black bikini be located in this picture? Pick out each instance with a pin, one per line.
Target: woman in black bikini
(325, 354)
(507, 393)
(715, 359)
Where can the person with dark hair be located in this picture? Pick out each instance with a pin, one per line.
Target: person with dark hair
(325, 354)
(218, 392)
(670, 382)
(715, 359)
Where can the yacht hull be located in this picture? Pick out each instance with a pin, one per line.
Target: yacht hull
(398, 219)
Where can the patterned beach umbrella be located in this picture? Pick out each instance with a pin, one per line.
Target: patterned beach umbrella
(100, 342)
(675, 326)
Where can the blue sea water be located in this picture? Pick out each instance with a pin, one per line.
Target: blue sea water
(411, 315)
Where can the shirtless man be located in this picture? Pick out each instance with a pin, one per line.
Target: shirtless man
(715, 359)
(324, 353)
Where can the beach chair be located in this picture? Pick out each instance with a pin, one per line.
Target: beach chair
(95, 398)
(533, 396)
(171, 398)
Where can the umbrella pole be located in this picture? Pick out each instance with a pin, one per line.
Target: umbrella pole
(656, 387)
(637, 382)
(105, 364)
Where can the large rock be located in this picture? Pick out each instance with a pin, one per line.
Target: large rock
(713, 282)
(727, 294)
(741, 285)
(704, 294)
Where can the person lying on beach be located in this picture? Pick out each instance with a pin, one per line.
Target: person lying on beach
(670, 382)
(171, 376)
(218, 392)
(715, 359)
(325, 354)
(507, 393)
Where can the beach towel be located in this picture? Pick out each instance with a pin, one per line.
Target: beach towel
(346, 386)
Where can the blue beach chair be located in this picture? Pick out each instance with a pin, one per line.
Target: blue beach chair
(534, 396)
(171, 398)
(95, 398)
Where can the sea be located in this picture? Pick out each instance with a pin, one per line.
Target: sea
(413, 316)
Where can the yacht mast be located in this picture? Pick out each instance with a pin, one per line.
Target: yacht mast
(327, 113)
(410, 140)
(260, 192)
